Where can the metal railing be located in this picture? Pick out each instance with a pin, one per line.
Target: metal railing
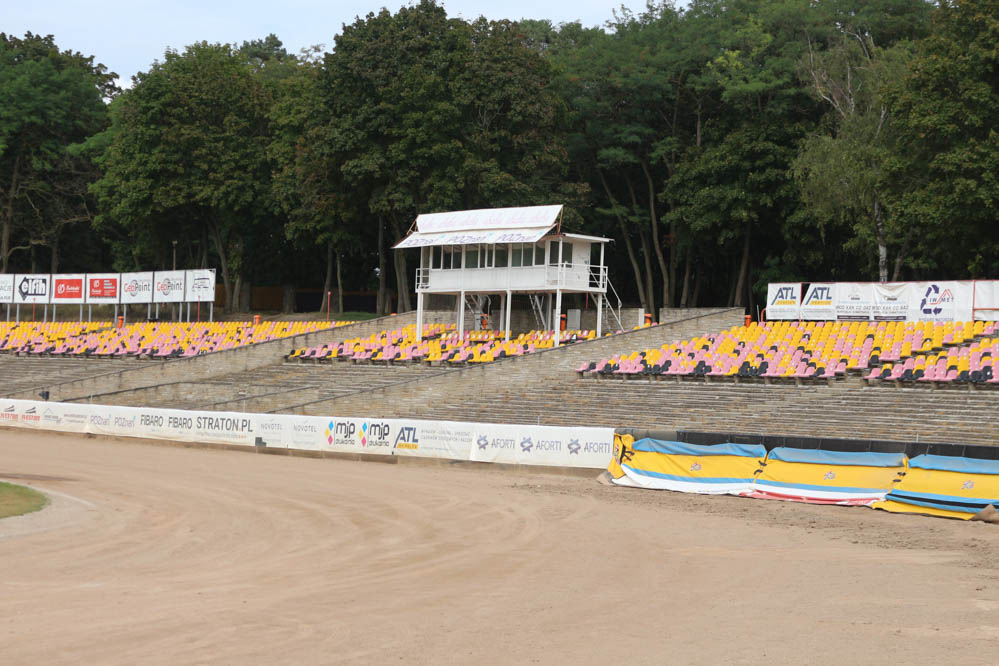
(555, 276)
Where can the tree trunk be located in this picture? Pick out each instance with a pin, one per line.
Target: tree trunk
(224, 266)
(328, 281)
(339, 285)
(685, 292)
(639, 283)
(381, 307)
(741, 285)
(670, 299)
(203, 261)
(902, 251)
(697, 287)
(54, 263)
(650, 287)
(656, 244)
(401, 275)
(646, 250)
(8, 216)
(34, 258)
(882, 245)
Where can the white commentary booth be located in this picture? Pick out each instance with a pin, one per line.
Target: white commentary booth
(506, 251)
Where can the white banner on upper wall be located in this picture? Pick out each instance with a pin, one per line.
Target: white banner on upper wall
(890, 301)
(168, 287)
(985, 299)
(783, 299)
(941, 300)
(854, 301)
(103, 287)
(818, 303)
(32, 288)
(199, 285)
(136, 288)
(68, 288)
(6, 288)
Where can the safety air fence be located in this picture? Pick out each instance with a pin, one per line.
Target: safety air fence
(952, 486)
(481, 442)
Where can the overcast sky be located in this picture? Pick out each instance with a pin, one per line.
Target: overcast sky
(127, 35)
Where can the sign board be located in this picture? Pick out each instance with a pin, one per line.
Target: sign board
(32, 288)
(985, 299)
(199, 285)
(103, 287)
(818, 304)
(168, 287)
(941, 300)
(783, 300)
(136, 287)
(6, 288)
(890, 301)
(485, 442)
(68, 288)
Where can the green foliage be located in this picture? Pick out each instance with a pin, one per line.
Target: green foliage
(946, 161)
(723, 143)
(52, 100)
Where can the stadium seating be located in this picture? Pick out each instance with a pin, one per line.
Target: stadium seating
(36, 337)
(439, 343)
(972, 362)
(147, 340)
(820, 350)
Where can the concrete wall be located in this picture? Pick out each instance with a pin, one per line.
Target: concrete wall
(477, 383)
(203, 367)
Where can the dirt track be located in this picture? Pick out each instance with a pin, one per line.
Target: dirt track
(154, 554)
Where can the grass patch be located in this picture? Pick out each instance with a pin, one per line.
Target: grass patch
(16, 500)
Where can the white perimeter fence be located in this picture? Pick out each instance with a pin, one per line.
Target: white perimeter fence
(483, 442)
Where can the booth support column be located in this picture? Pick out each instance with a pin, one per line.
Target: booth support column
(461, 314)
(558, 315)
(419, 315)
(508, 302)
(600, 312)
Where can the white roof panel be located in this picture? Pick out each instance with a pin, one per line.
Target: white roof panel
(489, 218)
(485, 236)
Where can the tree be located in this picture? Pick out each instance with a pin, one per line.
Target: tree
(187, 155)
(841, 168)
(431, 113)
(946, 158)
(52, 100)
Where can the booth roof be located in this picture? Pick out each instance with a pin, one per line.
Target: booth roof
(488, 225)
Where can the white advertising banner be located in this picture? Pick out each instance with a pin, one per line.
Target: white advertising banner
(103, 287)
(986, 300)
(68, 288)
(516, 444)
(941, 301)
(32, 288)
(890, 301)
(784, 300)
(6, 288)
(541, 445)
(854, 301)
(199, 285)
(819, 302)
(136, 288)
(168, 287)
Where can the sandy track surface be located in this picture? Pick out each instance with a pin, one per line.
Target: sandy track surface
(177, 555)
